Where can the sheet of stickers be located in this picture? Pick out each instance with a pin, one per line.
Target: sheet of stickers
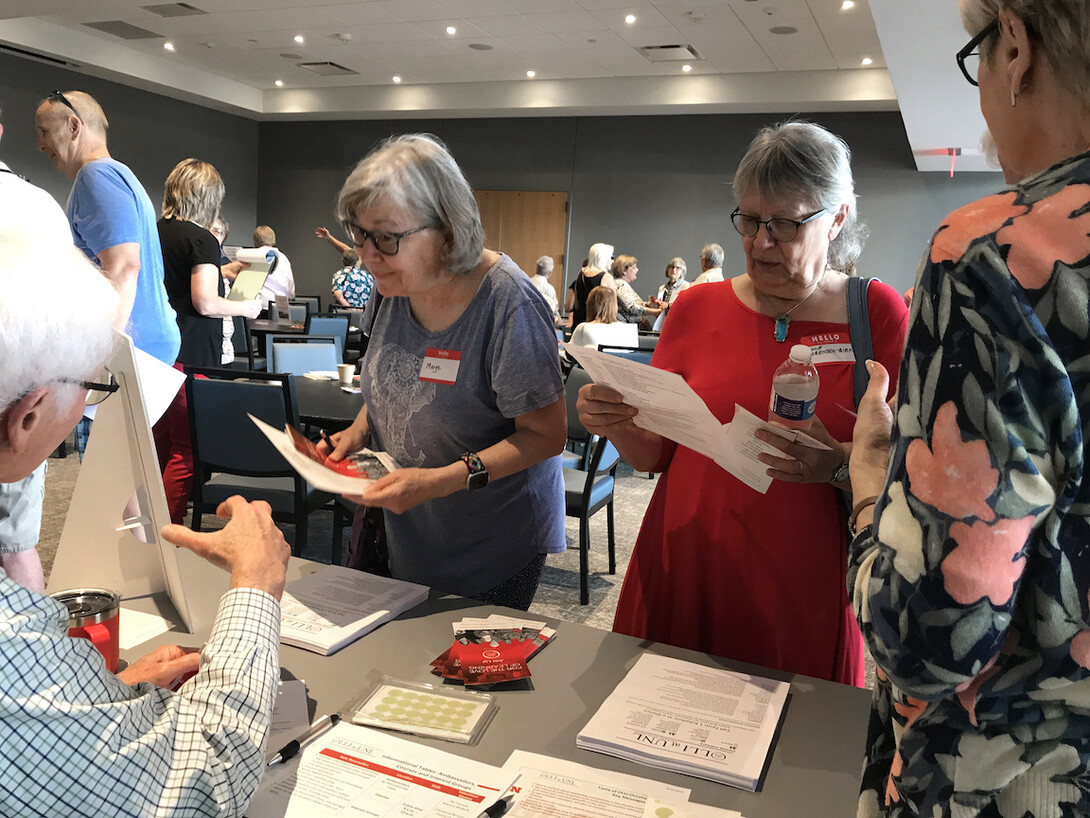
(492, 650)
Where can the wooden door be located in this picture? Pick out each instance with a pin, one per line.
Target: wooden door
(526, 225)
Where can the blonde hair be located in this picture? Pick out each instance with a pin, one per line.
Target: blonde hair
(620, 264)
(194, 192)
(602, 305)
(598, 257)
(264, 236)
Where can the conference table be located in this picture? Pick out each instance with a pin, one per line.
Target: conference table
(323, 403)
(816, 759)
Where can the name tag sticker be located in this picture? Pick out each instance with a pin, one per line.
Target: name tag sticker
(830, 348)
(440, 366)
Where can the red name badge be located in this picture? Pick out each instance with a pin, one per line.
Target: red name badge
(440, 366)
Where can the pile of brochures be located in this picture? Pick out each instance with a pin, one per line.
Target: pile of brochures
(691, 719)
(491, 650)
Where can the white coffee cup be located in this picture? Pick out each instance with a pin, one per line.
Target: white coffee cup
(345, 373)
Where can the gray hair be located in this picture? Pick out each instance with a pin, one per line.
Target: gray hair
(1060, 28)
(712, 255)
(677, 261)
(803, 162)
(350, 258)
(70, 340)
(86, 108)
(194, 192)
(544, 265)
(417, 172)
(600, 256)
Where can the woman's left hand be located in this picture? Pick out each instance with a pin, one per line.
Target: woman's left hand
(403, 489)
(803, 464)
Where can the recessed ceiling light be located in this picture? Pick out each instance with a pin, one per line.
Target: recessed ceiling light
(867, 61)
(630, 18)
(451, 30)
(299, 39)
(686, 68)
(279, 83)
(531, 74)
(396, 78)
(847, 4)
(169, 46)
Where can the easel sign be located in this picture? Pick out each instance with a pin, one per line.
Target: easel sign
(100, 546)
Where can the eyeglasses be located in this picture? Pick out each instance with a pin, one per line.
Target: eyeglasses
(97, 390)
(778, 229)
(969, 57)
(57, 96)
(385, 242)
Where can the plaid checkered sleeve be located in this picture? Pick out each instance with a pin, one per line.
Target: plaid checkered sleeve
(76, 741)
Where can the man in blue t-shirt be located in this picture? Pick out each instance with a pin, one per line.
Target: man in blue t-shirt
(112, 218)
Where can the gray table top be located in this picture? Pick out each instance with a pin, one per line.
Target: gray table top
(816, 758)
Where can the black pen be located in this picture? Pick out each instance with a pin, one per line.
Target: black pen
(292, 748)
(327, 440)
(497, 809)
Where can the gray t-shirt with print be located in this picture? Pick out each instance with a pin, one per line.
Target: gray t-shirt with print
(432, 396)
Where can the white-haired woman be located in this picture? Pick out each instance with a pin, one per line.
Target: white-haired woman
(461, 383)
(969, 572)
(595, 273)
(718, 567)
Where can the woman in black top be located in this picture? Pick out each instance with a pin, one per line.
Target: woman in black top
(594, 274)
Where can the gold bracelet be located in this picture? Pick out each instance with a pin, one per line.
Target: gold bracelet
(859, 507)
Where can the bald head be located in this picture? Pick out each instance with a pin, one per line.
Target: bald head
(71, 130)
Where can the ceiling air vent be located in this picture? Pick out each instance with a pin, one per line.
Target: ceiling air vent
(34, 55)
(126, 31)
(174, 10)
(327, 69)
(670, 53)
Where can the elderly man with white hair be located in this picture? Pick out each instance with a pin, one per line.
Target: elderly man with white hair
(540, 280)
(711, 265)
(76, 739)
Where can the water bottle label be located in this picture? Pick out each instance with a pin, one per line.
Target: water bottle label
(793, 409)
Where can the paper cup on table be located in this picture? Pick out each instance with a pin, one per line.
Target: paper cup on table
(345, 373)
(93, 614)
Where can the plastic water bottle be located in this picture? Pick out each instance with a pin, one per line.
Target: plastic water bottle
(794, 390)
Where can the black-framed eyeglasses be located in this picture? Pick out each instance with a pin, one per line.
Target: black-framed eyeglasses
(385, 242)
(969, 57)
(57, 96)
(778, 229)
(97, 390)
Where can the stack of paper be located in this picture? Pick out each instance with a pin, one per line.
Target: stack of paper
(488, 651)
(700, 721)
(336, 605)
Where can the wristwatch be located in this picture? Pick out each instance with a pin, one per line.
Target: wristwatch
(478, 474)
(841, 474)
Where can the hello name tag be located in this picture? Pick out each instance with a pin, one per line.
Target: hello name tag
(830, 348)
(440, 366)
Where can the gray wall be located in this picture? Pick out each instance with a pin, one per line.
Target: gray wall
(148, 132)
(654, 187)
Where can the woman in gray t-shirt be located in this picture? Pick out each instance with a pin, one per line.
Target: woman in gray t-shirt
(461, 383)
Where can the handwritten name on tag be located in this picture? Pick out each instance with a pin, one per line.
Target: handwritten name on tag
(440, 366)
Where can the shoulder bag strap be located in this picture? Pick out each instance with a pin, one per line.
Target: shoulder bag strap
(859, 330)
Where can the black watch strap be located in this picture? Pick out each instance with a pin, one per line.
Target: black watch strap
(478, 474)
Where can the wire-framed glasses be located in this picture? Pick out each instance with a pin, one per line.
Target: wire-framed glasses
(969, 56)
(385, 242)
(57, 96)
(97, 390)
(779, 229)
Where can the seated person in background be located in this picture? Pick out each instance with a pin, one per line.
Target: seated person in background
(540, 280)
(602, 326)
(76, 739)
(352, 284)
(630, 307)
(280, 280)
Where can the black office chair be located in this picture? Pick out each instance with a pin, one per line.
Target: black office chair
(585, 493)
(232, 456)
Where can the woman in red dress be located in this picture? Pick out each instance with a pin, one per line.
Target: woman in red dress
(719, 567)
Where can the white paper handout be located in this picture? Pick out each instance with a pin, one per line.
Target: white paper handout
(320, 475)
(701, 721)
(739, 456)
(554, 788)
(354, 770)
(324, 611)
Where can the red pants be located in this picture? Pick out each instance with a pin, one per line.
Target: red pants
(175, 450)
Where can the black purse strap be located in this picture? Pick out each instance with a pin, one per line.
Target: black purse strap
(859, 330)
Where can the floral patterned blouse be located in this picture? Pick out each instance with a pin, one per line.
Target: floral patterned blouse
(971, 587)
(355, 285)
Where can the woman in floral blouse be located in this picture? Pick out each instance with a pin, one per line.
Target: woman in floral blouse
(970, 571)
(352, 285)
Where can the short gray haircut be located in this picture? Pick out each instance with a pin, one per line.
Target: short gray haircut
(86, 108)
(1060, 28)
(803, 162)
(600, 256)
(71, 339)
(679, 262)
(418, 173)
(193, 192)
(544, 265)
(712, 255)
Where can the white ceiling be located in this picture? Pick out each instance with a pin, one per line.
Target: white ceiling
(584, 53)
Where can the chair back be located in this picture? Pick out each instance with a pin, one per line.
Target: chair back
(297, 313)
(224, 438)
(299, 354)
(576, 379)
(329, 324)
(603, 461)
(313, 302)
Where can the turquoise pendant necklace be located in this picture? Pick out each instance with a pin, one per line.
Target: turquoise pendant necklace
(783, 320)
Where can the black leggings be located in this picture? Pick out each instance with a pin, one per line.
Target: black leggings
(518, 591)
